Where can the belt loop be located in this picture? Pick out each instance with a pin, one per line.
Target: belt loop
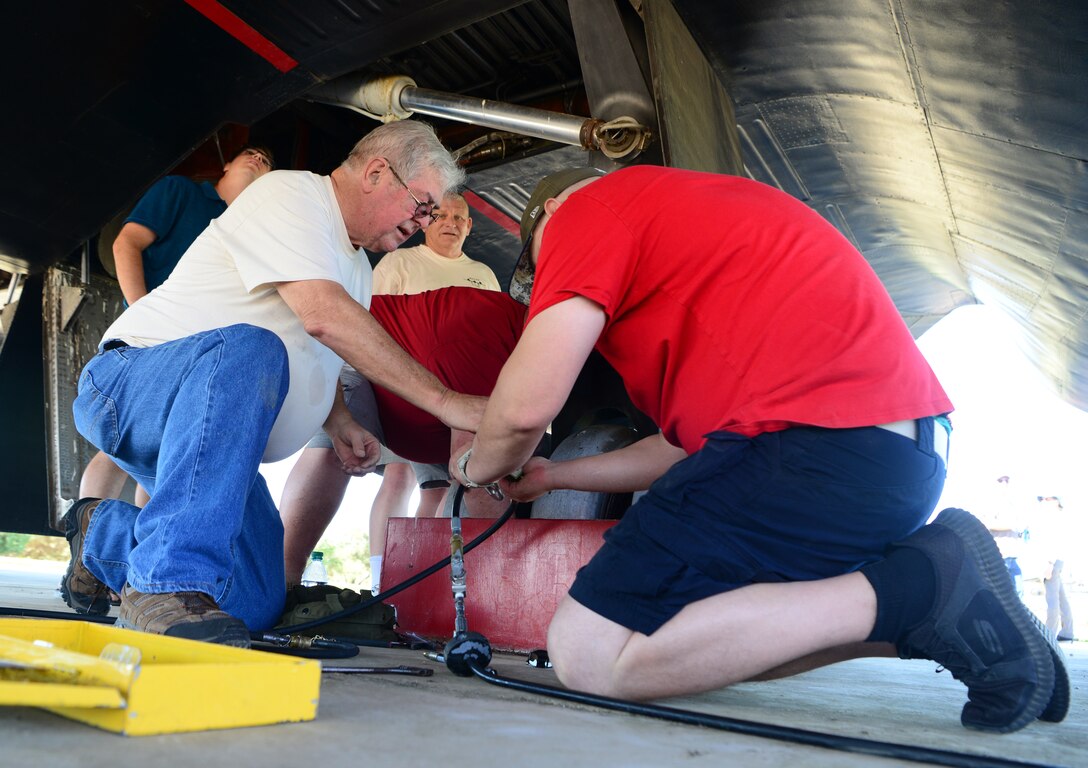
(945, 424)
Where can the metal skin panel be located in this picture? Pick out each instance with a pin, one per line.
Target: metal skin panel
(528, 49)
(945, 139)
(1021, 214)
(1023, 81)
(329, 37)
(70, 341)
(97, 128)
(704, 139)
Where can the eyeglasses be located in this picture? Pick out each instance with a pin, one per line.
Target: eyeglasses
(261, 156)
(441, 216)
(422, 209)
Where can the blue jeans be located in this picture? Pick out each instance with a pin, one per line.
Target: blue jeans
(189, 420)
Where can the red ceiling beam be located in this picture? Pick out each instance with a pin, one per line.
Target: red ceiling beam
(243, 33)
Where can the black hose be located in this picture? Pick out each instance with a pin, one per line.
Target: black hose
(307, 648)
(316, 648)
(33, 613)
(762, 730)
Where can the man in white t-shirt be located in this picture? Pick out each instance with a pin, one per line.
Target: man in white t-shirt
(235, 360)
(440, 262)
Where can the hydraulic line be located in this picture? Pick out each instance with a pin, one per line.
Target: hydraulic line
(465, 649)
(397, 670)
(457, 567)
(470, 663)
(307, 647)
(762, 730)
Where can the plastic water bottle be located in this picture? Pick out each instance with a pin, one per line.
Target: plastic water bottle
(315, 572)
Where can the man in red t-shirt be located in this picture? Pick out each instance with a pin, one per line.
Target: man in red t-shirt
(461, 335)
(802, 449)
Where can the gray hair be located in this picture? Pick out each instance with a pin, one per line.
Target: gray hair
(412, 147)
(456, 196)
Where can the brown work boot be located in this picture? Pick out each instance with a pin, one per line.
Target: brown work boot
(191, 615)
(80, 589)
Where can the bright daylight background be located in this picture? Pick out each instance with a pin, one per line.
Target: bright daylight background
(1007, 422)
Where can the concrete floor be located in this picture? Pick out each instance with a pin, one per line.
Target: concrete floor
(405, 721)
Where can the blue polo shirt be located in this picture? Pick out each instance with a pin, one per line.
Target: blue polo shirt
(177, 210)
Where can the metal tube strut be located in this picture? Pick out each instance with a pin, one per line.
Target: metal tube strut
(397, 97)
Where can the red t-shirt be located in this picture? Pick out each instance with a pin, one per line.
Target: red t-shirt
(461, 335)
(732, 306)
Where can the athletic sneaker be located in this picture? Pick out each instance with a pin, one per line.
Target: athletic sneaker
(1058, 706)
(80, 588)
(191, 615)
(978, 629)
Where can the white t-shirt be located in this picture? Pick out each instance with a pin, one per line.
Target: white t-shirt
(285, 226)
(419, 269)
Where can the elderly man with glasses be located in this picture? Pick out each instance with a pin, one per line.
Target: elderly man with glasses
(235, 361)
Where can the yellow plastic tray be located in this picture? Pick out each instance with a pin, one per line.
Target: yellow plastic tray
(179, 685)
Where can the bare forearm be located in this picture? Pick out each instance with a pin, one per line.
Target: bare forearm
(128, 261)
(499, 453)
(365, 346)
(519, 411)
(332, 317)
(633, 468)
(339, 411)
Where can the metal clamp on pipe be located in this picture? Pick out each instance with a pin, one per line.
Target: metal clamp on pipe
(378, 98)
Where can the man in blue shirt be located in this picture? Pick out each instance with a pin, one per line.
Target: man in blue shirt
(170, 216)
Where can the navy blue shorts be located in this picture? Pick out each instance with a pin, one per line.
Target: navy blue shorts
(797, 505)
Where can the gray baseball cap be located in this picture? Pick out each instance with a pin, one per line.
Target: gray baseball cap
(521, 284)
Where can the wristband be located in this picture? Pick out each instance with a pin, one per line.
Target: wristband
(462, 464)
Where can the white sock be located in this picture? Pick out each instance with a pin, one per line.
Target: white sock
(375, 572)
